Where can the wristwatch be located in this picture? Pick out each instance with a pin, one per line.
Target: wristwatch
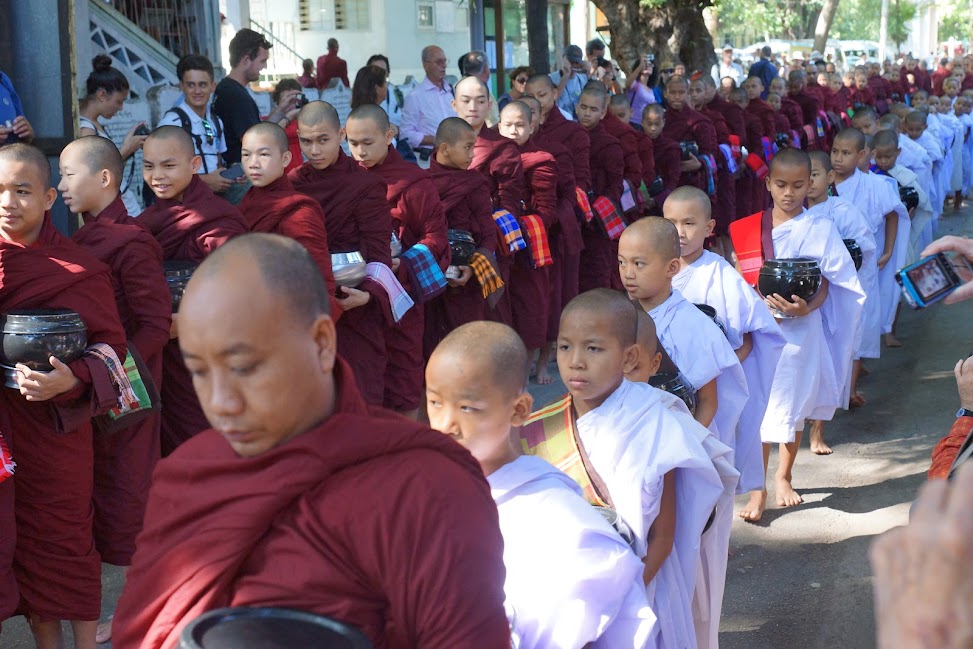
(964, 412)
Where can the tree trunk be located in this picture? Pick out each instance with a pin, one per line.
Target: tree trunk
(825, 18)
(673, 30)
(537, 37)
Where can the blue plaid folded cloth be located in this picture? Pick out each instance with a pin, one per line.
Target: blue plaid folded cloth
(731, 162)
(427, 276)
(398, 297)
(510, 229)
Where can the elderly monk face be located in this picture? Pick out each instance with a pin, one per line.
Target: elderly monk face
(366, 141)
(262, 159)
(320, 143)
(24, 198)
(261, 371)
(81, 188)
(167, 167)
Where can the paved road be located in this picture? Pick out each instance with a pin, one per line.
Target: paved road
(800, 579)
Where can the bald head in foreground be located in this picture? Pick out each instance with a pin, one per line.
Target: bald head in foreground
(317, 486)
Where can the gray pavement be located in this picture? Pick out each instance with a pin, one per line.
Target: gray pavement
(800, 578)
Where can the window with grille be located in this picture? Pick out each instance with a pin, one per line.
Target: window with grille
(325, 15)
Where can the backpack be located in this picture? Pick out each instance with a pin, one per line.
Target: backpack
(197, 139)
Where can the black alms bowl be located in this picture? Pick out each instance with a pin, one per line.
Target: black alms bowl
(269, 628)
(855, 251)
(787, 277)
(909, 197)
(32, 336)
(178, 273)
(675, 384)
(462, 245)
(711, 314)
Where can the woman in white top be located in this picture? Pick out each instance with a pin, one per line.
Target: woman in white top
(107, 89)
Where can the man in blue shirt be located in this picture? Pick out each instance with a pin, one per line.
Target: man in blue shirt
(14, 127)
(570, 79)
(764, 69)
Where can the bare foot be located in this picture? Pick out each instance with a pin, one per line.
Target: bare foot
(103, 634)
(755, 508)
(786, 496)
(543, 376)
(864, 371)
(856, 400)
(818, 447)
(891, 341)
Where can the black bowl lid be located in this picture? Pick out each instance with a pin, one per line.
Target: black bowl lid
(269, 628)
(461, 236)
(797, 263)
(176, 268)
(707, 309)
(659, 379)
(41, 321)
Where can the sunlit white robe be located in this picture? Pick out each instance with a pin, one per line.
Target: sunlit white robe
(922, 216)
(889, 288)
(711, 280)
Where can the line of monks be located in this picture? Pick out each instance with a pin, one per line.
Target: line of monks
(543, 198)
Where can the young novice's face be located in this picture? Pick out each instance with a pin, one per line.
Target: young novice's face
(849, 80)
(645, 274)
(366, 141)
(624, 112)
(778, 86)
(652, 124)
(951, 88)
(886, 157)
(861, 81)
(820, 181)
(647, 364)
(866, 124)
(845, 157)
(167, 168)
(458, 154)
(773, 100)
(914, 129)
(464, 402)
(697, 94)
(692, 224)
(919, 100)
(514, 125)
(320, 143)
(590, 358)
(472, 104)
(932, 105)
(81, 188)
(591, 109)
(834, 81)
(262, 159)
(788, 185)
(24, 198)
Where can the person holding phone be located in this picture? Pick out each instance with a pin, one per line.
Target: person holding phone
(638, 88)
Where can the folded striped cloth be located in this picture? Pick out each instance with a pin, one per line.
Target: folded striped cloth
(125, 377)
(487, 275)
(427, 277)
(822, 122)
(398, 297)
(7, 464)
(608, 217)
(769, 148)
(731, 162)
(584, 204)
(757, 166)
(795, 139)
(510, 229)
(709, 163)
(537, 241)
(811, 134)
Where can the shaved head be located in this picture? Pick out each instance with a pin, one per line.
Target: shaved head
(451, 130)
(863, 112)
(518, 107)
(690, 194)
(916, 117)
(174, 134)
(542, 79)
(98, 153)
(660, 234)
(619, 100)
(373, 112)
(821, 158)
(890, 120)
(646, 337)
(463, 83)
(621, 312)
(285, 266)
(656, 110)
(677, 80)
(495, 348)
(791, 157)
(319, 112)
(29, 154)
(272, 131)
(852, 136)
(886, 138)
(596, 89)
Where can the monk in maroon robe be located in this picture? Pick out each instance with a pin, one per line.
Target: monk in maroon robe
(598, 261)
(91, 174)
(189, 221)
(625, 134)
(498, 159)
(357, 219)
(303, 496)
(810, 106)
(666, 155)
(781, 124)
(417, 219)
(758, 197)
(724, 203)
(684, 124)
(272, 205)
(465, 196)
(47, 422)
(529, 286)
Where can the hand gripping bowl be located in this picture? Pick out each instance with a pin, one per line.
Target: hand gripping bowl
(349, 268)
(909, 197)
(178, 273)
(675, 384)
(269, 628)
(462, 245)
(32, 336)
(786, 277)
(855, 251)
(711, 314)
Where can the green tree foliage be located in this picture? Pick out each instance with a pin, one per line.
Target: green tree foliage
(860, 20)
(749, 21)
(958, 21)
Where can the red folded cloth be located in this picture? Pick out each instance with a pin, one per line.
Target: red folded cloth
(584, 204)
(537, 240)
(757, 166)
(609, 217)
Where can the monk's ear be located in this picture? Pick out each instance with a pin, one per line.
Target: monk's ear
(389, 136)
(196, 163)
(655, 363)
(49, 197)
(453, 104)
(105, 179)
(710, 226)
(523, 405)
(630, 359)
(832, 176)
(326, 338)
(341, 135)
(672, 268)
(286, 158)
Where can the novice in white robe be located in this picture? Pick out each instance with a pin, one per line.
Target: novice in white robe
(633, 441)
(888, 287)
(921, 217)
